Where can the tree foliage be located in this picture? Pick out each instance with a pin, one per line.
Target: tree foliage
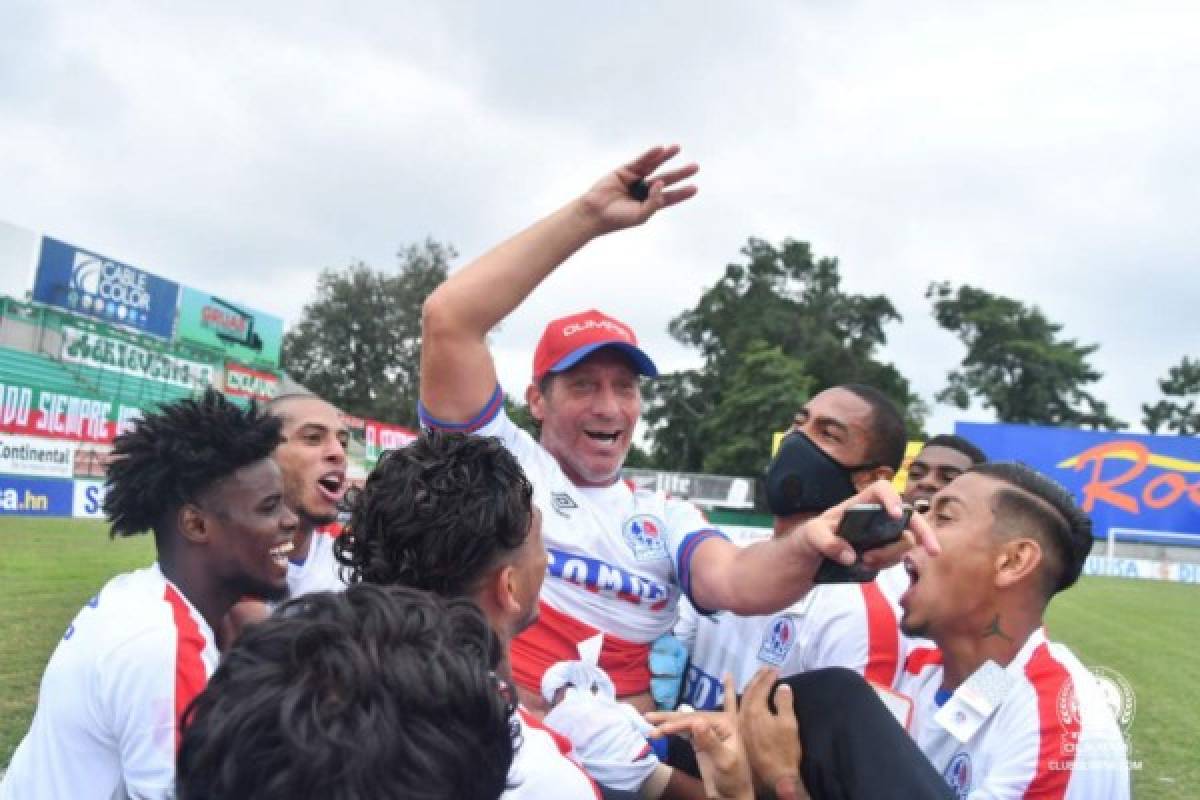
(1016, 362)
(358, 344)
(1179, 411)
(772, 330)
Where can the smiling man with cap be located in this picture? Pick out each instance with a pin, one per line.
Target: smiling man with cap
(619, 558)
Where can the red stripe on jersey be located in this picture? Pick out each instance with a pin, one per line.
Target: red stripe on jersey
(561, 742)
(554, 637)
(332, 530)
(1058, 724)
(883, 637)
(190, 676)
(920, 658)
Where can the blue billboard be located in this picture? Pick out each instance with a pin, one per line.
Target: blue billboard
(36, 497)
(84, 282)
(1143, 488)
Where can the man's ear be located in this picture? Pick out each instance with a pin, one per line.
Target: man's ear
(192, 524)
(864, 478)
(1016, 561)
(536, 401)
(504, 590)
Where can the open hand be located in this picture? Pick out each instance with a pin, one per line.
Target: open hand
(609, 206)
(720, 753)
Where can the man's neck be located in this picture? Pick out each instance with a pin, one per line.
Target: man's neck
(302, 540)
(197, 584)
(998, 639)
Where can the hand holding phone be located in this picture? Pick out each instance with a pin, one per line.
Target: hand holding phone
(867, 526)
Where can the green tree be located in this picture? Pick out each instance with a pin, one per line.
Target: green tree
(1016, 362)
(1182, 415)
(766, 385)
(785, 298)
(358, 344)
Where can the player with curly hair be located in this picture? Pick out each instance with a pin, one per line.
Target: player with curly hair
(199, 474)
(367, 693)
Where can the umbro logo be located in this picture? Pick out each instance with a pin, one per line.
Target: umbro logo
(562, 503)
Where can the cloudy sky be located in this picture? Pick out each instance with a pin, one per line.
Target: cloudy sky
(1049, 151)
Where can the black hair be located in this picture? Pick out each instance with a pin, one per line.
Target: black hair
(1035, 504)
(959, 444)
(176, 454)
(889, 437)
(438, 514)
(372, 692)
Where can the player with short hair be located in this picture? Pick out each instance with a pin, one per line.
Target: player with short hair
(620, 558)
(942, 459)
(197, 473)
(367, 693)
(841, 440)
(312, 456)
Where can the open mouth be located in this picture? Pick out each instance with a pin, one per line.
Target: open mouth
(333, 484)
(603, 437)
(280, 553)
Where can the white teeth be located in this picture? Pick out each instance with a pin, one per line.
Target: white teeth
(282, 550)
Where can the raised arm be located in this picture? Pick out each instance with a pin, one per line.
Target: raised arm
(770, 575)
(457, 371)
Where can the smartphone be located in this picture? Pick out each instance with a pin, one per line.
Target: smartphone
(866, 526)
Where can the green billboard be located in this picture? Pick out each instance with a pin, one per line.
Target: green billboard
(244, 334)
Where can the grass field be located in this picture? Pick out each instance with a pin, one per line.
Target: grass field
(1147, 631)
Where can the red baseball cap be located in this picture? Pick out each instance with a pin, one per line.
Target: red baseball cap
(569, 340)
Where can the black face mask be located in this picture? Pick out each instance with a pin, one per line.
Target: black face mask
(803, 478)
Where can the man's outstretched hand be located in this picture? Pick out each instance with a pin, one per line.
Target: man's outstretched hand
(610, 205)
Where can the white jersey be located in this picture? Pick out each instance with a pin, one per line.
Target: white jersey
(619, 560)
(320, 570)
(848, 625)
(1051, 734)
(543, 766)
(111, 696)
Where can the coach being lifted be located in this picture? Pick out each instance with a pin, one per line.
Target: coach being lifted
(619, 558)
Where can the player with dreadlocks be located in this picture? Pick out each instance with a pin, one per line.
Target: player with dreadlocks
(199, 475)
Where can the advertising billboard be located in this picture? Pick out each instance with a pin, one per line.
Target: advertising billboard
(381, 437)
(43, 458)
(84, 282)
(1142, 488)
(36, 497)
(242, 381)
(244, 335)
(33, 411)
(93, 349)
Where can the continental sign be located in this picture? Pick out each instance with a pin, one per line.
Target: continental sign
(26, 455)
(1142, 487)
(241, 333)
(115, 355)
(30, 411)
(382, 437)
(245, 382)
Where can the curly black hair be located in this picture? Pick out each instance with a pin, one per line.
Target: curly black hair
(368, 693)
(438, 514)
(1035, 504)
(176, 454)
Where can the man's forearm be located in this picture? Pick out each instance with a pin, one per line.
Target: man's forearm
(759, 579)
(476, 298)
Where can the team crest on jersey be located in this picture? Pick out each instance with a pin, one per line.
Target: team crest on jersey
(644, 534)
(778, 641)
(958, 775)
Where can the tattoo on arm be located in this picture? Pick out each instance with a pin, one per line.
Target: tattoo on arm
(994, 630)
